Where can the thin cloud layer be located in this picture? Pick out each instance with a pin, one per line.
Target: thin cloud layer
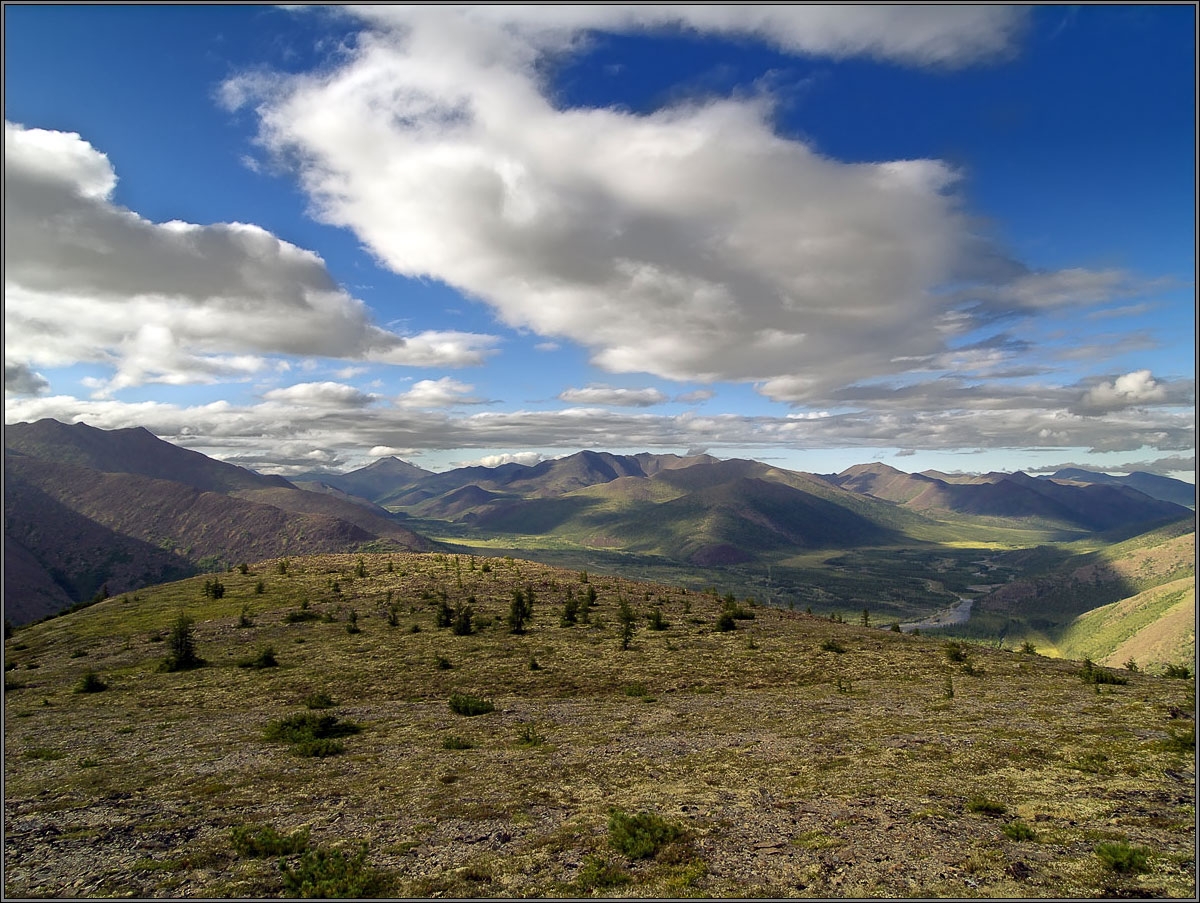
(294, 431)
(915, 35)
(611, 395)
(89, 281)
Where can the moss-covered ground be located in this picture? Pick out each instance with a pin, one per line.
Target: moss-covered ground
(791, 768)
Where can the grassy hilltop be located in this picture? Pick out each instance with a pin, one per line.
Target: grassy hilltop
(714, 747)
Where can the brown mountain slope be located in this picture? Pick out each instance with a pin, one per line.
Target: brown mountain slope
(377, 522)
(29, 590)
(47, 544)
(376, 481)
(136, 451)
(1095, 507)
(546, 479)
(86, 528)
(196, 524)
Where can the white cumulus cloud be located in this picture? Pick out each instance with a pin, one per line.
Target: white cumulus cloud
(692, 242)
(438, 393)
(1130, 390)
(86, 280)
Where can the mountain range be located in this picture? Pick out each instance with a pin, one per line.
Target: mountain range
(88, 508)
(708, 511)
(1100, 505)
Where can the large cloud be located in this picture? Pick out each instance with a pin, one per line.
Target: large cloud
(694, 242)
(88, 280)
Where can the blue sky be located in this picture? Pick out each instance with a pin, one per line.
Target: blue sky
(959, 239)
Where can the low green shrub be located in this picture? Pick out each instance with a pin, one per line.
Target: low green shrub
(258, 841)
(325, 873)
(529, 736)
(1182, 742)
(1018, 830)
(90, 683)
(833, 646)
(302, 614)
(264, 659)
(1093, 674)
(1121, 857)
(319, 700)
(181, 646)
(984, 806)
(726, 622)
(640, 836)
(462, 704)
(955, 652)
(597, 873)
(451, 742)
(318, 749)
(1182, 672)
(302, 727)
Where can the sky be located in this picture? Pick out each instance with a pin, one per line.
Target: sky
(300, 239)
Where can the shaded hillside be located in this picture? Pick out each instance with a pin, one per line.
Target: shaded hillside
(1125, 600)
(883, 482)
(326, 489)
(1151, 484)
(1093, 507)
(179, 518)
(736, 520)
(374, 482)
(56, 556)
(375, 520)
(788, 757)
(1082, 582)
(467, 500)
(86, 528)
(29, 590)
(136, 451)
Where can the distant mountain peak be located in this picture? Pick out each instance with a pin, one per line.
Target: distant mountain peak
(875, 467)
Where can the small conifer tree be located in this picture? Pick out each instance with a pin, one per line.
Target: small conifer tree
(181, 647)
(519, 612)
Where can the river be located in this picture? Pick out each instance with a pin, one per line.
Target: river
(957, 614)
